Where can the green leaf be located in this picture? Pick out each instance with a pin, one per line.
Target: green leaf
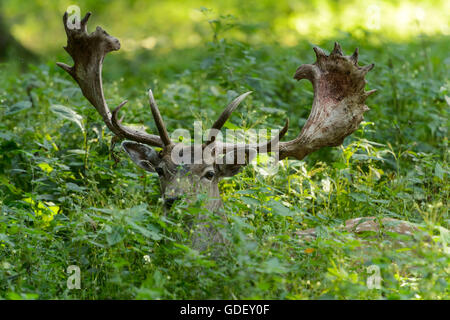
(4, 238)
(115, 236)
(339, 165)
(250, 201)
(74, 187)
(360, 197)
(152, 234)
(358, 156)
(19, 106)
(5, 181)
(280, 209)
(77, 151)
(273, 266)
(68, 114)
(438, 171)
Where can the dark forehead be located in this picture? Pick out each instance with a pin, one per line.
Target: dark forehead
(191, 157)
(184, 168)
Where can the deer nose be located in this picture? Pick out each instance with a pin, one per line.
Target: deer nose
(170, 200)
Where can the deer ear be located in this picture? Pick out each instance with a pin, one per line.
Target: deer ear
(144, 156)
(232, 162)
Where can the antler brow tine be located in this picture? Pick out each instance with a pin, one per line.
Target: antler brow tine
(158, 120)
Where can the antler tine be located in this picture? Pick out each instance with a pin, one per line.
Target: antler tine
(224, 117)
(158, 120)
(337, 49)
(355, 56)
(228, 111)
(274, 142)
(130, 133)
(270, 146)
(320, 54)
(84, 21)
(263, 147)
(88, 52)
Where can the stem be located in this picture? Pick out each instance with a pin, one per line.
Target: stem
(394, 87)
(86, 147)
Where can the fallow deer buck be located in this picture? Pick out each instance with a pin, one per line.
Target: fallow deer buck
(337, 110)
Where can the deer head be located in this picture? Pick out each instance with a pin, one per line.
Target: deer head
(337, 111)
(191, 170)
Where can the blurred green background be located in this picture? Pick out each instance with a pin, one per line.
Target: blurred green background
(168, 24)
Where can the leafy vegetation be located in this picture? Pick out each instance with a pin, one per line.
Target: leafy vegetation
(66, 200)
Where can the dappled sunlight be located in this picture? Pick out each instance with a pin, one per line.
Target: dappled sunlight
(174, 24)
(395, 21)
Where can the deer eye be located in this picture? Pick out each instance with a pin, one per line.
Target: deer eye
(209, 175)
(159, 171)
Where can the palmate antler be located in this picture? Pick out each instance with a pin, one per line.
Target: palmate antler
(338, 104)
(337, 110)
(88, 51)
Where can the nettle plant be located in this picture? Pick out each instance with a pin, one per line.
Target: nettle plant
(337, 110)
